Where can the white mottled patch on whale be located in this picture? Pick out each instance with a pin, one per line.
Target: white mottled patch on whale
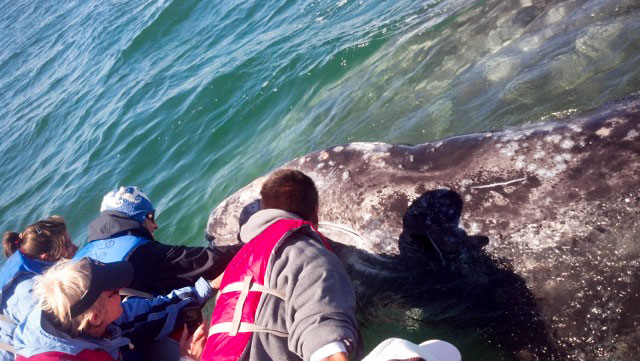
(376, 158)
(575, 127)
(546, 173)
(555, 14)
(520, 162)
(465, 183)
(510, 136)
(332, 163)
(539, 154)
(346, 175)
(560, 161)
(558, 158)
(530, 43)
(603, 132)
(319, 165)
(567, 144)
(474, 228)
(510, 149)
(338, 149)
(302, 160)
(390, 248)
(498, 198)
(553, 138)
(324, 155)
(370, 147)
(632, 134)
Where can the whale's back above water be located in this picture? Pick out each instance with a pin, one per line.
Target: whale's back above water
(539, 223)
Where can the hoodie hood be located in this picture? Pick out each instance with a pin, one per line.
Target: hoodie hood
(259, 221)
(37, 335)
(111, 224)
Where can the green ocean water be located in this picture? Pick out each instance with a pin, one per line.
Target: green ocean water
(191, 100)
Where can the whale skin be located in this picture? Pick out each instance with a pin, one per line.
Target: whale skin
(528, 235)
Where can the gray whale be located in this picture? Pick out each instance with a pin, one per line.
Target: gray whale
(529, 236)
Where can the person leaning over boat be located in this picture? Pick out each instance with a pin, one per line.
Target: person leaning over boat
(124, 231)
(285, 295)
(28, 253)
(80, 315)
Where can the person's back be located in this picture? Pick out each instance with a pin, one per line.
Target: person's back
(28, 254)
(125, 231)
(80, 315)
(296, 299)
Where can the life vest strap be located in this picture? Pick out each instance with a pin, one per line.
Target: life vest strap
(225, 327)
(237, 287)
(237, 313)
(135, 293)
(7, 347)
(6, 319)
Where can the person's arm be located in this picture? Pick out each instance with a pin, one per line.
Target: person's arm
(334, 351)
(145, 320)
(160, 267)
(320, 300)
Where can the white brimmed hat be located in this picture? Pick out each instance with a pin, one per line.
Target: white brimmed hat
(399, 349)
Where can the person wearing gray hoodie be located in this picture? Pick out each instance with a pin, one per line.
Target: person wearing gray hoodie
(294, 297)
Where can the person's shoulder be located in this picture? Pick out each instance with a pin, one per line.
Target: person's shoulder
(301, 247)
(151, 251)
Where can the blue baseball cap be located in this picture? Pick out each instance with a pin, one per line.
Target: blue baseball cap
(130, 200)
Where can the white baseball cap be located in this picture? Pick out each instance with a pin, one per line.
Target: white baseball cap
(399, 349)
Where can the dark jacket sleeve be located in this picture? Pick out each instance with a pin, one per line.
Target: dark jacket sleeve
(160, 268)
(144, 320)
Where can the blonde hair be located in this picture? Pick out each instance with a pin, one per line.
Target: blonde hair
(61, 286)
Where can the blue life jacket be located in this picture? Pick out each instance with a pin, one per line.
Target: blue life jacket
(18, 266)
(111, 249)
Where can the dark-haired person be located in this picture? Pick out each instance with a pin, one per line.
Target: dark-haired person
(80, 316)
(124, 231)
(28, 254)
(285, 295)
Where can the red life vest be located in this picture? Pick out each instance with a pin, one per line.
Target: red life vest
(242, 287)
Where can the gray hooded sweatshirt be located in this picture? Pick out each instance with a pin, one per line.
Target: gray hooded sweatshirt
(319, 306)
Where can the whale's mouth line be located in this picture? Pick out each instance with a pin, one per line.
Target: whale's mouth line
(341, 227)
(499, 183)
(352, 232)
